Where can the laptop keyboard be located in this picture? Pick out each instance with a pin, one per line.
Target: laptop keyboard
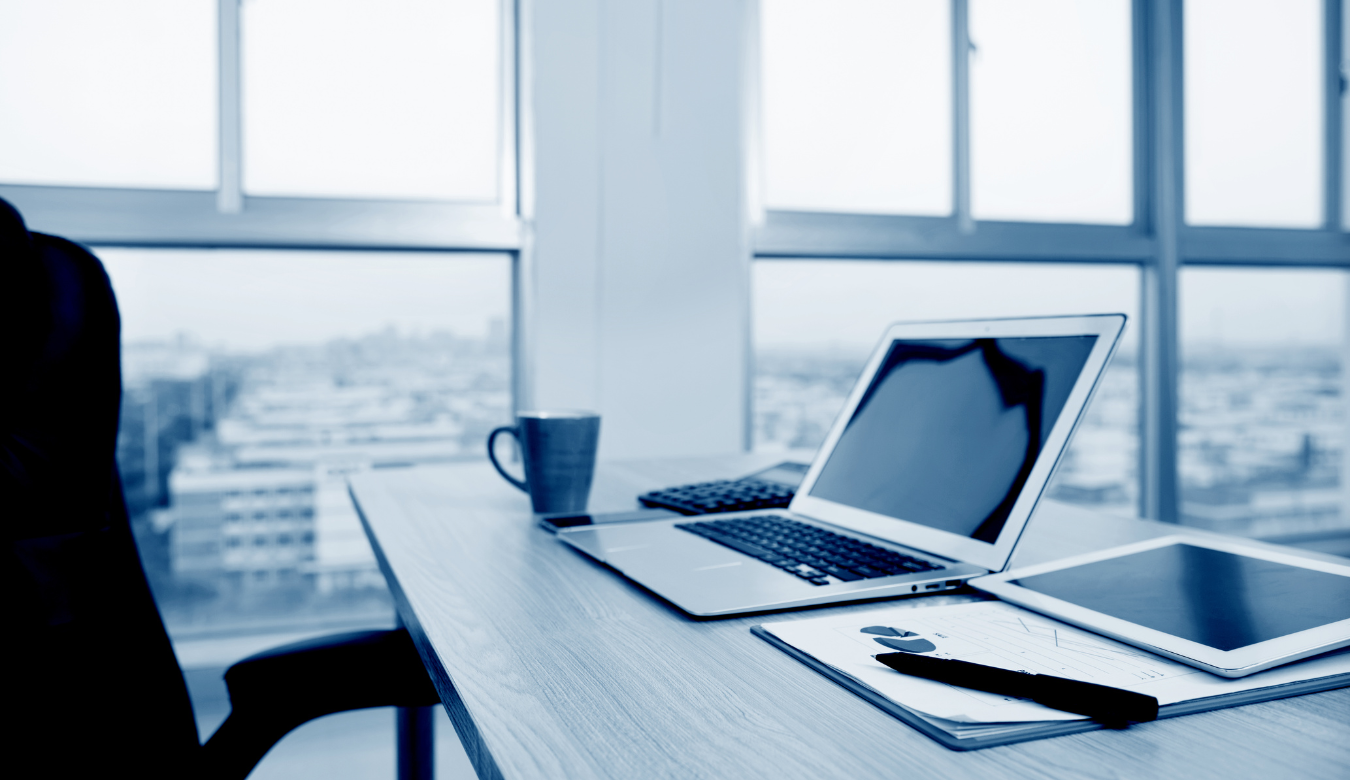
(810, 553)
(724, 495)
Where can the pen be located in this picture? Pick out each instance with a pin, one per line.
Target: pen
(1102, 702)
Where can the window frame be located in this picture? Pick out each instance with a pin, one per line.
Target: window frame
(1158, 241)
(229, 218)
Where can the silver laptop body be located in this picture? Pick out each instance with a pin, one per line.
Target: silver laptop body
(940, 453)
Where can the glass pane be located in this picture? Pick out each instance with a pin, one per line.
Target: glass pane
(816, 321)
(856, 101)
(1050, 130)
(349, 98)
(1263, 424)
(109, 93)
(255, 383)
(1254, 112)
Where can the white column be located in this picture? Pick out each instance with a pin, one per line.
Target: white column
(636, 276)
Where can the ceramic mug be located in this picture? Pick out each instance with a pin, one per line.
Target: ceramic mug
(557, 449)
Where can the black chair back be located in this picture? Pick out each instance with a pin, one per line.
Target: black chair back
(94, 687)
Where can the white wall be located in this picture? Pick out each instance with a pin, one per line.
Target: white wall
(635, 280)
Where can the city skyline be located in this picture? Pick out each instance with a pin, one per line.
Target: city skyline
(846, 304)
(251, 300)
(795, 307)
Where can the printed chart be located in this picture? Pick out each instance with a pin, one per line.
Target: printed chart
(990, 633)
(997, 634)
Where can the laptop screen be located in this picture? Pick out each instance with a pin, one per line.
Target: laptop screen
(948, 431)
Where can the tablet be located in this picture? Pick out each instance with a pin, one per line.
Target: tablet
(1224, 605)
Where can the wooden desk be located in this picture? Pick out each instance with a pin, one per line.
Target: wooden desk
(551, 666)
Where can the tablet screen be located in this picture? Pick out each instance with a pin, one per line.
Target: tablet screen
(1214, 598)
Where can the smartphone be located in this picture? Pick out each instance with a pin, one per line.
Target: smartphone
(572, 519)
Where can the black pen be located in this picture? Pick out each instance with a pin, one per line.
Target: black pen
(1102, 702)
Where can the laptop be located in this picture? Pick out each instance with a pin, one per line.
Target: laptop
(927, 477)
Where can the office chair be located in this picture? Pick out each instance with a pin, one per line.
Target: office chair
(92, 684)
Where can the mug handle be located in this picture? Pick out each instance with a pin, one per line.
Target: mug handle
(492, 456)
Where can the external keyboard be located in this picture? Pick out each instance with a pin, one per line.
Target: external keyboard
(724, 495)
(810, 553)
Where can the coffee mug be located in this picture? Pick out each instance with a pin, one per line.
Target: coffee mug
(558, 451)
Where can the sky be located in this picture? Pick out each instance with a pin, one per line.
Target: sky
(847, 304)
(1231, 306)
(322, 81)
(250, 300)
(855, 98)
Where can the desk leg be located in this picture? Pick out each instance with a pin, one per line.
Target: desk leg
(416, 743)
(415, 739)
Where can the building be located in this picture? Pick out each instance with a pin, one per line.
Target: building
(261, 503)
(242, 528)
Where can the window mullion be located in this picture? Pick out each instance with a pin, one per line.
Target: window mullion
(961, 117)
(229, 192)
(1159, 361)
(1333, 121)
(509, 145)
(1142, 117)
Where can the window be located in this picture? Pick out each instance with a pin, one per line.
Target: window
(1263, 401)
(817, 321)
(137, 81)
(261, 122)
(300, 361)
(1196, 147)
(1254, 103)
(406, 93)
(857, 105)
(204, 149)
(308, 366)
(1050, 111)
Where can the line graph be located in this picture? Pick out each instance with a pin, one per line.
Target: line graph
(1042, 646)
(1089, 648)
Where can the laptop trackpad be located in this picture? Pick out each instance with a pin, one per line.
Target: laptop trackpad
(656, 545)
(682, 565)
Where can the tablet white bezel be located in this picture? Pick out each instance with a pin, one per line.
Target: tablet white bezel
(1239, 662)
(1107, 329)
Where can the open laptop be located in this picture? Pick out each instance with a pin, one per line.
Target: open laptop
(926, 479)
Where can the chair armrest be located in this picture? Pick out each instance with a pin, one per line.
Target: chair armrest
(279, 689)
(334, 673)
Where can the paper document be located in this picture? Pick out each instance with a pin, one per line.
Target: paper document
(994, 633)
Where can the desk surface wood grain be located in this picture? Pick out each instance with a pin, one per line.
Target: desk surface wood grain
(552, 666)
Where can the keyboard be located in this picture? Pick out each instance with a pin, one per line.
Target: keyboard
(724, 495)
(811, 553)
